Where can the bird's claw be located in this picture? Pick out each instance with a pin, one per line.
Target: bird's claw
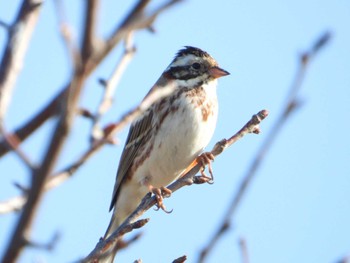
(160, 193)
(205, 159)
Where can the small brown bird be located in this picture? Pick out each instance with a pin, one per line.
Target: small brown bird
(170, 135)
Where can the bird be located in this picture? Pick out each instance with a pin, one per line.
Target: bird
(170, 135)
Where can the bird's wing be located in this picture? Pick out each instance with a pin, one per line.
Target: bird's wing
(138, 135)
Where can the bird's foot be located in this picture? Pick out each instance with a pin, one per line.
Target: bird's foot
(205, 159)
(160, 193)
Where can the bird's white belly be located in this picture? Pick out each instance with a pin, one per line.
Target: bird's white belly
(180, 139)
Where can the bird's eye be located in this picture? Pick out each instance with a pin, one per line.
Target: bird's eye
(196, 65)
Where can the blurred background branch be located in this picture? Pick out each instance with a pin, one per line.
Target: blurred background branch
(64, 105)
(19, 36)
(292, 103)
(136, 20)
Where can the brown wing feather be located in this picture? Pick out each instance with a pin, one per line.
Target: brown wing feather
(136, 138)
(138, 134)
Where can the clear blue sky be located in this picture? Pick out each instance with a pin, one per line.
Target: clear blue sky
(297, 209)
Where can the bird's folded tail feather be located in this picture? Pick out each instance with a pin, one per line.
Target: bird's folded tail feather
(113, 225)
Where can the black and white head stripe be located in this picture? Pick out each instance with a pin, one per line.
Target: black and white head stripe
(187, 50)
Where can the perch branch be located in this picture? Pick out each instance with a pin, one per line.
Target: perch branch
(103, 249)
(106, 246)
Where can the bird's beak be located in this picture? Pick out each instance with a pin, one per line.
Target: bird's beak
(217, 72)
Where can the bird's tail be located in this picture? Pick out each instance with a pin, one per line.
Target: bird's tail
(110, 254)
(113, 225)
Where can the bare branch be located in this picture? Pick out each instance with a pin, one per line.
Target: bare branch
(291, 104)
(22, 133)
(90, 27)
(14, 204)
(180, 259)
(12, 60)
(107, 246)
(120, 33)
(122, 244)
(66, 34)
(244, 250)
(5, 25)
(13, 143)
(137, 19)
(110, 87)
(345, 259)
(49, 246)
(68, 105)
(39, 176)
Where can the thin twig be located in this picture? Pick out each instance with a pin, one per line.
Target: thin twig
(16, 48)
(14, 204)
(290, 106)
(49, 246)
(180, 259)
(5, 25)
(122, 244)
(110, 87)
(12, 143)
(26, 129)
(67, 35)
(107, 246)
(244, 250)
